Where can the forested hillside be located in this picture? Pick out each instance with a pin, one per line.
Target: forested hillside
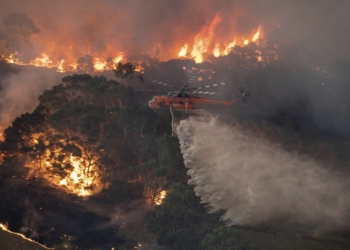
(90, 135)
(93, 167)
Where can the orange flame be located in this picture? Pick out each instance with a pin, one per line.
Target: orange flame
(203, 39)
(256, 35)
(229, 47)
(78, 179)
(118, 59)
(99, 64)
(158, 200)
(62, 65)
(183, 51)
(42, 61)
(216, 51)
(56, 55)
(81, 179)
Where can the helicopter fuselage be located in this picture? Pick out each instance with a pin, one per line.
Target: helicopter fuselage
(186, 102)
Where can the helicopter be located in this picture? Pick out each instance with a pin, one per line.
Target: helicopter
(183, 99)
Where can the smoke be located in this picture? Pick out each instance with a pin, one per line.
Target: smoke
(17, 32)
(131, 218)
(255, 181)
(19, 92)
(31, 220)
(133, 213)
(77, 28)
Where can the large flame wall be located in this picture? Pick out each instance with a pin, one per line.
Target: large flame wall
(112, 30)
(164, 28)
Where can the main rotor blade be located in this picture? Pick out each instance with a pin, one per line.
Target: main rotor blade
(162, 83)
(210, 85)
(204, 92)
(151, 90)
(192, 79)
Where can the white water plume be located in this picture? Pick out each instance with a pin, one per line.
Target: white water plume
(255, 181)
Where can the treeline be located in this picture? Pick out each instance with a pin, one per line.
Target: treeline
(125, 150)
(108, 127)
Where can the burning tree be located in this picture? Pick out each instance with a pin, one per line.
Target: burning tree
(86, 134)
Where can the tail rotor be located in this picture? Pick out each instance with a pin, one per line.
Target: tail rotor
(244, 95)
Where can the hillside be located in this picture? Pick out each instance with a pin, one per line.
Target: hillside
(14, 241)
(91, 161)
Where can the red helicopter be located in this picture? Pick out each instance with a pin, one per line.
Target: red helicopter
(185, 100)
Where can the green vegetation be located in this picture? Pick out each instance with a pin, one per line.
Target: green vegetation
(181, 221)
(224, 238)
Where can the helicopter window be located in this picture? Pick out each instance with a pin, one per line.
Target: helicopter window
(173, 94)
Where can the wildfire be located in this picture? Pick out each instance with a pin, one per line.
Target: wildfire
(80, 175)
(204, 39)
(42, 61)
(216, 51)
(10, 58)
(183, 51)
(118, 59)
(63, 65)
(256, 35)
(4, 227)
(83, 58)
(158, 200)
(231, 45)
(60, 66)
(99, 64)
(78, 181)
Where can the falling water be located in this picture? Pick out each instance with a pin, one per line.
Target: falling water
(254, 181)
